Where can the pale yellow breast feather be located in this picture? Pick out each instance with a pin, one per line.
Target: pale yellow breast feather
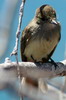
(39, 49)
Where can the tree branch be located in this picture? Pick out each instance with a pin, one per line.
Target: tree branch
(46, 70)
(8, 73)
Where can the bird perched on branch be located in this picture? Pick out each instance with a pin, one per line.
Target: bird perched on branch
(40, 38)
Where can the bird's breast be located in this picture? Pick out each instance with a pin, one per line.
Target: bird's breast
(39, 48)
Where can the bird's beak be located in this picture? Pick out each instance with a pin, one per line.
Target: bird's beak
(54, 21)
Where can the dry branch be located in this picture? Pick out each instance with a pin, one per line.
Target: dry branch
(8, 75)
(46, 70)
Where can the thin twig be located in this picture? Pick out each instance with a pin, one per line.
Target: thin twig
(15, 50)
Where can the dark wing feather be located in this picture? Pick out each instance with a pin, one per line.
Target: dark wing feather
(49, 56)
(26, 35)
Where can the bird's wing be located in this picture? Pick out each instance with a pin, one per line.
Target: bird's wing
(51, 53)
(26, 36)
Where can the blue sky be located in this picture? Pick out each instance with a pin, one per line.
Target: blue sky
(29, 12)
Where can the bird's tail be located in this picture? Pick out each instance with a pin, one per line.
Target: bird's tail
(42, 85)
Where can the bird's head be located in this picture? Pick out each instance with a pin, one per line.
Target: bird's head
(46, 13)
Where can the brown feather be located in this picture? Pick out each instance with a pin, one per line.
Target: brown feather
(39, 40)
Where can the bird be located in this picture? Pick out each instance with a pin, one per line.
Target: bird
(39, 39)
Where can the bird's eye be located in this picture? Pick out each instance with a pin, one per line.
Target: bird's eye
(55, 14)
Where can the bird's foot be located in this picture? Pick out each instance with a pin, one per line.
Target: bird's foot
(53, 62)
(33, 58)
